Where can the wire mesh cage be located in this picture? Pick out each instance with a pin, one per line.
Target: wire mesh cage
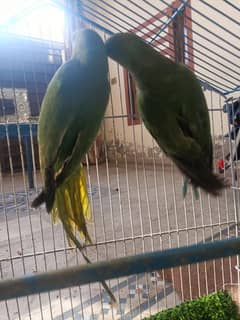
(135, 190)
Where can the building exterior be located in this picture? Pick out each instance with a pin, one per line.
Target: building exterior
(23, 81)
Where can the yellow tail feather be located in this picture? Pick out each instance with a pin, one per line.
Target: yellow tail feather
(72, 205)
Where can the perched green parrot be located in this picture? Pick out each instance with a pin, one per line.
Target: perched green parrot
(173, 108)
(71, 113)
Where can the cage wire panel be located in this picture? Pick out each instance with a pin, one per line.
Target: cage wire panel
(135, 190)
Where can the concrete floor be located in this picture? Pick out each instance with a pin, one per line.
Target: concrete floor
(136, 209)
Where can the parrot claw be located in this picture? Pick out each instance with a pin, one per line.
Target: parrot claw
(196, 193)
(184, 189)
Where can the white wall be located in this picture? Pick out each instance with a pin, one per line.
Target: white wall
(133, 139)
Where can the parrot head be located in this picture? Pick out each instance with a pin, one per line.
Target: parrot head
(87, 45)
(125, 48)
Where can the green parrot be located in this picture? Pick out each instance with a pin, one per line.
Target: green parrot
(173, 108)
(71, 113)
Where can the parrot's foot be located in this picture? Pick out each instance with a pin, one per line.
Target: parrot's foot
(80, 247)
(196, 193)
(113, 302)
(184, 188)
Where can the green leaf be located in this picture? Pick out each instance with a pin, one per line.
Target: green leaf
(215, 306)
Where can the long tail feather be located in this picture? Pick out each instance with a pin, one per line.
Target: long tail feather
(72, 207)
(81, 249)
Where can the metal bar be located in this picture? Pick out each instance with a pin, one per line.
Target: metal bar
(235, 188)
(233, 90)
(196, 42)
(221, 12)
(197, 33)
(206, 29)
(130, 11)
(235, 147)
(207, 85)
(99, 26)
(106, 21)
(121, 267)
(27, 145)
(215, 23)
(170, 20)
(127, 180)
(198, 72)
(232, 5)
(230, 223)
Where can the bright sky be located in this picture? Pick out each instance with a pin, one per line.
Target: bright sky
(36, 18)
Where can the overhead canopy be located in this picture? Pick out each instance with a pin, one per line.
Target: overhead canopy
(203, 35)
(211, 33)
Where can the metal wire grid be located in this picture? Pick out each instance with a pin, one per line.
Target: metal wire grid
(137, 207)
(215, 34)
